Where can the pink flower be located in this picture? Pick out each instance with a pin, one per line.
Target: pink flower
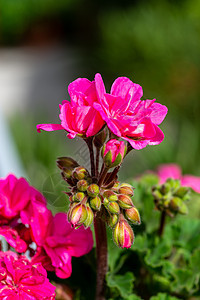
(127, 116)
(19, 279)
(174, 171)
(113, 152)
(78, 117)
(21, 207)
(60, 243)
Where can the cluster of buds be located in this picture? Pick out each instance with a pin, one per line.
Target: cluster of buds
(171, 197)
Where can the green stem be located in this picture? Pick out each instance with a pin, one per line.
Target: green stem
(101, 256)
(162, 223)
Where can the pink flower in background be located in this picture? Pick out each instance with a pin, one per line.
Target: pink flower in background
(174, 171)
(19, 279)
(127, 116)
(21, 207)
(60, 243)
(78, 117)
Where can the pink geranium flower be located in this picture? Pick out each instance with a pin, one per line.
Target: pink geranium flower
(127, 116)
(60, 243)
(174, 171)
(21, 207)
(78, 117)
(19, 279)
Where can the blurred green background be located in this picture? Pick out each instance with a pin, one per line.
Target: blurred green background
(154, 43)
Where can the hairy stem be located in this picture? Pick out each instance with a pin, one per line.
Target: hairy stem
(101, 256)
(89, 142)
(97, 161)
(162, 223)
(103, 175)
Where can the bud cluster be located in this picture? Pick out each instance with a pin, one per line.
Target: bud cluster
(114, 204)
(171, 197)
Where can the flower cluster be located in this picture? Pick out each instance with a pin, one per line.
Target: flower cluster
(30, 228)
(20, 279)
(126, 115)
(91, 114)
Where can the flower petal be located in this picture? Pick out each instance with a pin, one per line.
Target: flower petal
(49, 127)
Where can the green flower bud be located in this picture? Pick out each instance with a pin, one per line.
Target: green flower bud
(112, 220)
(93, 190)
(78, 197)
(113, 153)
(183, 209)
(82, 185)
(100, 138)
(90, 217)
(123, 235)
(110, 195)
(65, 163)
(175, 203)
(165, 188)
(126, 189)
(80, 173)
(95, 203)
(181, 191)
(113, 207)
(77, 214)
(125, 201)
(132, 214)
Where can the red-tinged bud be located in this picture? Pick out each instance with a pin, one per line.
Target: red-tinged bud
(113, 208)
(90, 217)
(123, 235)
(65, 163)
(93, 190)
(132, 214)
(113, 219)
(77, 214)
(95, 203)
(110, 195)
(80, 173)
(82, 185)
(175, 203)
(113, 153)
(125, 201)
(126, 189)
(78, 197)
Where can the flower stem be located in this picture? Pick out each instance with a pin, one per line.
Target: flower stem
(89, 142)
(103, 175)
(101, 256)
(97, 161)
(162, 223)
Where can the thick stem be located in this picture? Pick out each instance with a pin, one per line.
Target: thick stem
(162, 223)
(113, 174)
(101, 252)
(103, 175)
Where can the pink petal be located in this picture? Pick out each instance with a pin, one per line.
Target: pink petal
(166, 171)
(125, 88)
(191, 181)
(49, 127)
(96, 124)
(137, 144)
(158, 113)
(80, 85)
(100, 88)
(158, 137)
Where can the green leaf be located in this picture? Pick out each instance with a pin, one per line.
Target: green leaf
(154, 257)
(140, 244)
(162, 296)
(123, 283)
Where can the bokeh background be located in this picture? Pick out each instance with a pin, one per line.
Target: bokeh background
(46, 44)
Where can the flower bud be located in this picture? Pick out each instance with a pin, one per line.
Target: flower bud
(132, 214)
(113, 153)
(65, 163)
(82, 185)
(110, 195)
(126, 189)
(183, 209)
(80, 173)
(90, 217)
(78, 197)
(77, 214)
(113, 219)
(95, 203)
(93, 190)
(100, 138)
(125, 201)
(113, 207)
(123, 235)
(181, 191)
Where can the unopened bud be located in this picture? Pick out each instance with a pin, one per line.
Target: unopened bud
(132, 214)
(125, 201)
(113, 219)
(65, 163)
(183, 209)
(82, 185)
(90, 217)
(113, 207)
(110, 195)
(113, 153)
(100, 138)
(95, 203)
(126, 189)
(123, 235)
(182, 191)
(80, 173)
(93, 190)
(78, 197)
(165, 188)
(77, 214)
(175, 203)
